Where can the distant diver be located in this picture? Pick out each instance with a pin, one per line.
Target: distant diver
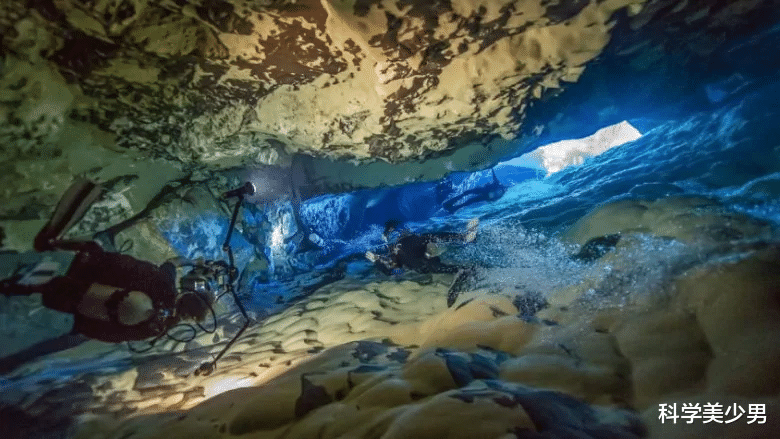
(420, 253)
(489, 192)
(112, 297)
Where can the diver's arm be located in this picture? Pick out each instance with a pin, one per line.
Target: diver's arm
(385, 264)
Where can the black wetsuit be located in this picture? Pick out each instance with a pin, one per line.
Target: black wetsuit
(410, 251)
(94, 266)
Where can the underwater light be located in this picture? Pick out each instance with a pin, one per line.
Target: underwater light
(247, 189)
(277, 237)
(225, 385)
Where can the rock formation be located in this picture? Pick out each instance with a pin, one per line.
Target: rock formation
(388, 359)
(215, 85)
(170, 103)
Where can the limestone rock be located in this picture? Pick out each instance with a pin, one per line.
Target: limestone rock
(245, 82)
(231, 83)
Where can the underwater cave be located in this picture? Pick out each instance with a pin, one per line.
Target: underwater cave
(389, 219)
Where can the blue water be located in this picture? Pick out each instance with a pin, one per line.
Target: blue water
(730, 153)
(726, 146)
(719, 141)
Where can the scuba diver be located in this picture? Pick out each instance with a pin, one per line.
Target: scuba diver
(113, 297)
(421, 254)
(489, 192)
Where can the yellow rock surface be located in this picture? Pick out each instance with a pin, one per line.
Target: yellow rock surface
(387, 358)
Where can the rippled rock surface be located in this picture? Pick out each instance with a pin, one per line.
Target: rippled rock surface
(609, 279)
(677, 312)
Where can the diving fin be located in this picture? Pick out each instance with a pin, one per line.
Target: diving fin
(70, 209)
(464, 279)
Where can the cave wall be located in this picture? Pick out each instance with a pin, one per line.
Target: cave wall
(367, 93)
(224, 83)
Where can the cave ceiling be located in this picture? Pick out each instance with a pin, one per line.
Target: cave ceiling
(432, 85)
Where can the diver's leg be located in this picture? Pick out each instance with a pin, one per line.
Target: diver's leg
(435, 265)
(22, 274)
(10, 287)
(10, 363)
(71, 207)
(60, 294)
(446, 237)
(470, 235)
(55, 288)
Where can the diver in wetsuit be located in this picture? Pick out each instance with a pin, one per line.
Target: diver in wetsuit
(113, 297)
(489, 192)
(421, 254)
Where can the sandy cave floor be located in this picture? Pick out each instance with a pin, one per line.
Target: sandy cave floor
(386, 358)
